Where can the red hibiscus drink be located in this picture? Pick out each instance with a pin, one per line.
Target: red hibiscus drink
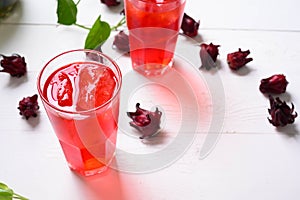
(80, 91)
(153, 30)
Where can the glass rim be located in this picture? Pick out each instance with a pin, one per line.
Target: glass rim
(160, 3)
(116, 93)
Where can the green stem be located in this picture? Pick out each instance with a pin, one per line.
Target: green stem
(120, 23)
(17, 196)
(81, 26)
(78, 2)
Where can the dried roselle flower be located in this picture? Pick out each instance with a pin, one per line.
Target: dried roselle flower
(275, 84)
(110, 2)
(238, 59)
(15, 65)
(208, 55)
(189, 26)
(121, 42)
(28, 106)
(281, 113)
(146, 122)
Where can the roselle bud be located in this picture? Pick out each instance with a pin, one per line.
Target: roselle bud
(146, 122)
(208, 55)
(121, 42)
(110, 2)
(238, 59)
(15, 65)
(29, 106)
(189, 26)
(281, 113)
(275, 84)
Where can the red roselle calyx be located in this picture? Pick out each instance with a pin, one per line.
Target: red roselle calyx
(15, 65)
(275, 84)
(110, 2)
(121, 42)
(208, 55)
(29, 106)
(238, 59)
(146, 122)
(189, 26)
(281, 113)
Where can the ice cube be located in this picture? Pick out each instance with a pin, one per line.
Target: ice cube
(86, 84)
(95, 85)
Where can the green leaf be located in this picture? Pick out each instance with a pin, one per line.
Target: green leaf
(66, 12)
(98, 34)
(5, 192)
(3, 186)
(6, 195)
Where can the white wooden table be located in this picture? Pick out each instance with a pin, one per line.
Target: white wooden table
(229, 152)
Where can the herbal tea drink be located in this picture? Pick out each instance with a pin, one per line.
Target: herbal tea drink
(80, 93)
(153, 30)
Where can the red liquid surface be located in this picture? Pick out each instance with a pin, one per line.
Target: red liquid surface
(153, 31)
(87, 138)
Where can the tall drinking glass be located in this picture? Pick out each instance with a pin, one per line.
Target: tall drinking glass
(153, 30)
(80, 90)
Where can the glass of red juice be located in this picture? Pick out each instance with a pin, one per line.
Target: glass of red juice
(80, 91)
(153, 30)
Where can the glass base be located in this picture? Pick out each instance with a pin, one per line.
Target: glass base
(88, 172)
(81, 161)
(153, 69)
